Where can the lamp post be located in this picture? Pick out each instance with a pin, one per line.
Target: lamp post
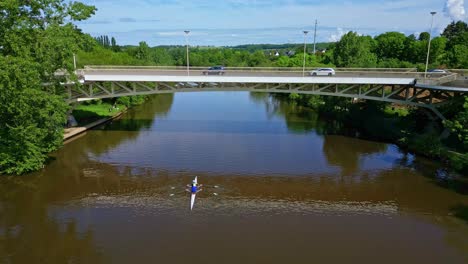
(74, 62)
(315, 36)
(187, 45)
(429, 45)
(303, 64)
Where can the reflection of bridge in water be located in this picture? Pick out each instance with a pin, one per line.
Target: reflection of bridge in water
(400, 87)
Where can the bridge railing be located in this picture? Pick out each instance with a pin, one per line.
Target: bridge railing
(271, 71)
(434, 79)
(410, 73)
(255, 69)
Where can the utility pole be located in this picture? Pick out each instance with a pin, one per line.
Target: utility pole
(303, 64)
(188, 58)
(315, 35)
(429, 45)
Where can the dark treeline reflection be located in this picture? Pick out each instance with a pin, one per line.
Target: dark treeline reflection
(129, 126)
(143, 116)
(29, 233)
(347, 153)
(299, 119)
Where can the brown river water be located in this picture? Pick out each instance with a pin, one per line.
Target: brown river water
(278, 189)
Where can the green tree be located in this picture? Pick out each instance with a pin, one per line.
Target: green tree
(143, 51)
(37, 38)
(424, 36)
(458, 56)
(454, 30)
(438, 46)
(114, 45)
(354, 51)
(459, 124)
(391, 45)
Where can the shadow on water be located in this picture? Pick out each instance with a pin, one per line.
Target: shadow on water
(436, 172)
(350, 153)
(143, 116)
(461, 211)
(298, 119)
(29, 233)
(137, 119)
(348, 156)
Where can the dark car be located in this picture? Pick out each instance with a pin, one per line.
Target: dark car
(218, 70)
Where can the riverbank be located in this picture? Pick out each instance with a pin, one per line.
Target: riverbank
(88, 113)
(94, 113)
(91, 115)
(74, 131)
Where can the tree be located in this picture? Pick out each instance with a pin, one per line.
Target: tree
(114, 45)
(456, 33)
(438, 46)
(459, 124)
(391, 45)
(424, 36)
(257, 59)
(143, 51)
(455, 29)
(37, 38)
(458, 56)
(354, 51)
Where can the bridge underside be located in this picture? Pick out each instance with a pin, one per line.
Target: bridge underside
(410, 95)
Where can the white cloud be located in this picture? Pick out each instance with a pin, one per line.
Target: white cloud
(335, 37)
(455, 9)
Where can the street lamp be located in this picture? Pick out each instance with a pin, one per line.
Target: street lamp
(303, 64)
(187, 45)
(429, 45)
(74, 62)
(315, 36)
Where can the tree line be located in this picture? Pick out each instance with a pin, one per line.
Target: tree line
(396, 50)
(387, 50)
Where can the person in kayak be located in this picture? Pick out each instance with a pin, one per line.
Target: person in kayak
(194, 187)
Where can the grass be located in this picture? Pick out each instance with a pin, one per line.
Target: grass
(396, 110)
(87, 113)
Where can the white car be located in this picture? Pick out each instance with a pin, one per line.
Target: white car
(322, 72)
(437, 71)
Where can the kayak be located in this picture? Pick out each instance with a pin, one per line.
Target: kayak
(192, 198)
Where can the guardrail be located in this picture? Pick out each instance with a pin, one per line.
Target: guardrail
(448, 78)
(353, 72)
(431, 78)
(104, 67)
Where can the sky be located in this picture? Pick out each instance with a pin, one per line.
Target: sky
(234, 22)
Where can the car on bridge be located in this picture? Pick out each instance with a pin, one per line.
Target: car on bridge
(217, 70)
(322, 72)
(437, 73)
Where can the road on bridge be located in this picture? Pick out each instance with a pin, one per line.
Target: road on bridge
(250, 73)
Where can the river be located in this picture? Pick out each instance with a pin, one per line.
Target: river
(278, 189)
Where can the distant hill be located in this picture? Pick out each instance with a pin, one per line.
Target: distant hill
(290, 46)
(250, 47)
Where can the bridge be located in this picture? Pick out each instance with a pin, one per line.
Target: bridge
(400, 86)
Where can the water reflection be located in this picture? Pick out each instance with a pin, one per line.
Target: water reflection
(28, 234)
(285, 185)
(351, 153)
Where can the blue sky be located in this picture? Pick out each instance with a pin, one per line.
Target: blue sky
(233, 22)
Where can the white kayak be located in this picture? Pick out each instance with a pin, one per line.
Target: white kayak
(192, 198)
